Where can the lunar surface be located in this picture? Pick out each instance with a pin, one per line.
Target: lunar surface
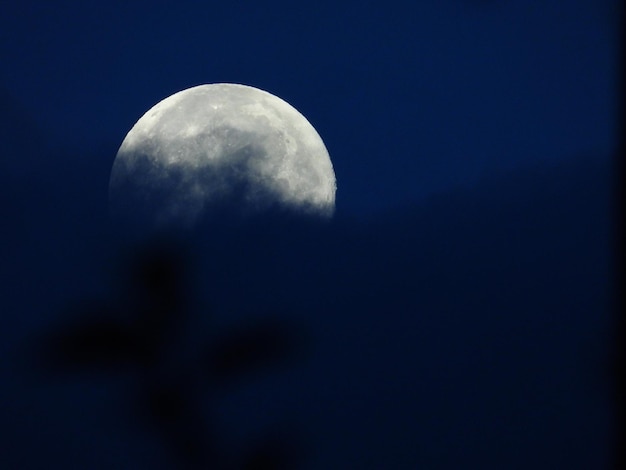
(220, 147)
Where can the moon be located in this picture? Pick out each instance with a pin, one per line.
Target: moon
(219, 147)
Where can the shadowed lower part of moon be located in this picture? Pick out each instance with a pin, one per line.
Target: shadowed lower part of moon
(220, 149)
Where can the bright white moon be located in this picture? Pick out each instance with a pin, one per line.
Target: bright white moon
(220, 145)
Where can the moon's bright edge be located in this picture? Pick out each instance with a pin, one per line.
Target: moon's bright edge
(220, 145)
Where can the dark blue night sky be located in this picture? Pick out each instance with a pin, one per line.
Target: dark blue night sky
(458, 308)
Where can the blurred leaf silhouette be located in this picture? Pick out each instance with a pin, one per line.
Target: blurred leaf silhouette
(145, 332)
(100, 343)
(271, 454)
(260, 345)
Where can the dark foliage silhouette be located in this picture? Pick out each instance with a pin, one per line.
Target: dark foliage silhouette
(144, 333)
(250, 348)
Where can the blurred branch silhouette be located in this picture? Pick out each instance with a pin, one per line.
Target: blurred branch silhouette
(144, 334)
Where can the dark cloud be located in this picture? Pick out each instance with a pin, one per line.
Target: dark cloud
(468, 330)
